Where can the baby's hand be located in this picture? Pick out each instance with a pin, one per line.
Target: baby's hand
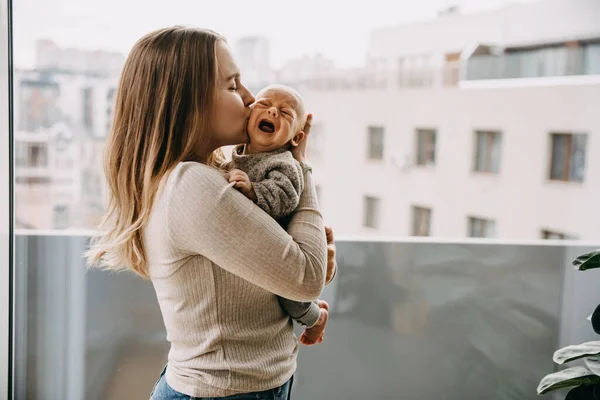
(242, 183)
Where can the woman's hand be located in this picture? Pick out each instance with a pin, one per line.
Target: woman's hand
(299, 151)
(331, 264)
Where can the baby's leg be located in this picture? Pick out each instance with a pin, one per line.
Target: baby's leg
(315, 333)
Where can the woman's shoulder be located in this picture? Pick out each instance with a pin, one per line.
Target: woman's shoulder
(190, 176)
(191, 170)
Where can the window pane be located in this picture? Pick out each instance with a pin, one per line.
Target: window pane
(481, 151)
(6, 228)
(375, 140)
(578, 151)
(559, 156)
(496, 152)
(421, 221)
(39, 103)
(425, 147)
(482, 228)
(371, 212)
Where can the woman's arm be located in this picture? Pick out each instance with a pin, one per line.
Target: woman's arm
(207, 216)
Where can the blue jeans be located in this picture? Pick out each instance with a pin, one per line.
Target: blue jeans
(162, 391)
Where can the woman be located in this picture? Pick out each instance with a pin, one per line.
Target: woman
(216, 261)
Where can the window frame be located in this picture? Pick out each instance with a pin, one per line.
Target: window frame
(6, 202)
(471, 219)
(419, 212)
(429, 151)
(370, 147)
(567, 168)
(376, 202)
(493, 137)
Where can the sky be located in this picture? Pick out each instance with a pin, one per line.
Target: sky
(336, 29)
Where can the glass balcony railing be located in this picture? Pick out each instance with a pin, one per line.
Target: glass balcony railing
(413, 319)
(551, 62)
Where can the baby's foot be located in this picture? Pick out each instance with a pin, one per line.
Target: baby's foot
(314, 334)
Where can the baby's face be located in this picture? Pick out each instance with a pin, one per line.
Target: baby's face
(276, 120)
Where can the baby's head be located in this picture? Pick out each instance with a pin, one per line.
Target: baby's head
(277, 119)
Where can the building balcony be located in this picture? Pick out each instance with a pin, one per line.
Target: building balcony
(539, 63)
(410, 318)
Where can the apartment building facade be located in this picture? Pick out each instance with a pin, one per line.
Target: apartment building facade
(480, 125)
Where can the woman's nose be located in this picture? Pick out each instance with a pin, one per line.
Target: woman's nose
(248, 98)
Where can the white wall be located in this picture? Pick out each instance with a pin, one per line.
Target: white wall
(519, 198)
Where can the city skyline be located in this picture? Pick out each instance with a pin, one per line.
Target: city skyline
(93, 28)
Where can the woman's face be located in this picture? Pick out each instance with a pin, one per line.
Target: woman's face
(232, 100)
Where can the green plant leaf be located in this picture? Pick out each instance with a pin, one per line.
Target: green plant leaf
(575, 376)
(593, 364)
(587, 261)
(574, 352)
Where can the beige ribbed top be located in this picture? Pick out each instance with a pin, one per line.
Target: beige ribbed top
(217, 262)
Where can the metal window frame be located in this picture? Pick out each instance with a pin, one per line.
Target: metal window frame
(6, 202)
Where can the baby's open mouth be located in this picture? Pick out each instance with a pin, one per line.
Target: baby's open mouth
(266, 126)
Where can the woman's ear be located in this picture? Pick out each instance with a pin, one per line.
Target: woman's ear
(296, 140)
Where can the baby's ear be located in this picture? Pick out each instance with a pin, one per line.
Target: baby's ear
(296, 140)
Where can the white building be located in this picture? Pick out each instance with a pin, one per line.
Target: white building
(254, 57)
(61, 122)
(472, 125)
(99, 62)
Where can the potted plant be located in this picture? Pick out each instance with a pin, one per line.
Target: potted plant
(584, 378)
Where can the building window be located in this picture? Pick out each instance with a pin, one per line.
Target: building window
(553, 235)
(481, 228)
(61, 217)
(110, 100)
(425, 147)
(38, 155)
(375, 146)
(88, 108)
(371, 212)
(487, 151)
(568, 157)
(39, 105)
(421, 221)
(31, 155)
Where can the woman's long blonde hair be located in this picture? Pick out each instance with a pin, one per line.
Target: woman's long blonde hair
(161, 117)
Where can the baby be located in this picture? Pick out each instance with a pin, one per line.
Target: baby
(265, 171)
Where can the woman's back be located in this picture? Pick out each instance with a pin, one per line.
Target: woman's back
(227, 334)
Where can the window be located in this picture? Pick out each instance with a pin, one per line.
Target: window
(481, 228)
(110, 100)
(33, 180)
(376, 138)
(61, 217)
(38, 104)
(37, 155)
(487, 152)
(421, 221)
(568, 157)
(31, 155)
(371, 212)
(552, 235)
(425, 147)
(88, 108)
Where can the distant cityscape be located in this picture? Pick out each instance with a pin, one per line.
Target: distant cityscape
(467, 125)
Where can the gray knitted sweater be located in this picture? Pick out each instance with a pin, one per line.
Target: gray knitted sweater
(276, 177)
